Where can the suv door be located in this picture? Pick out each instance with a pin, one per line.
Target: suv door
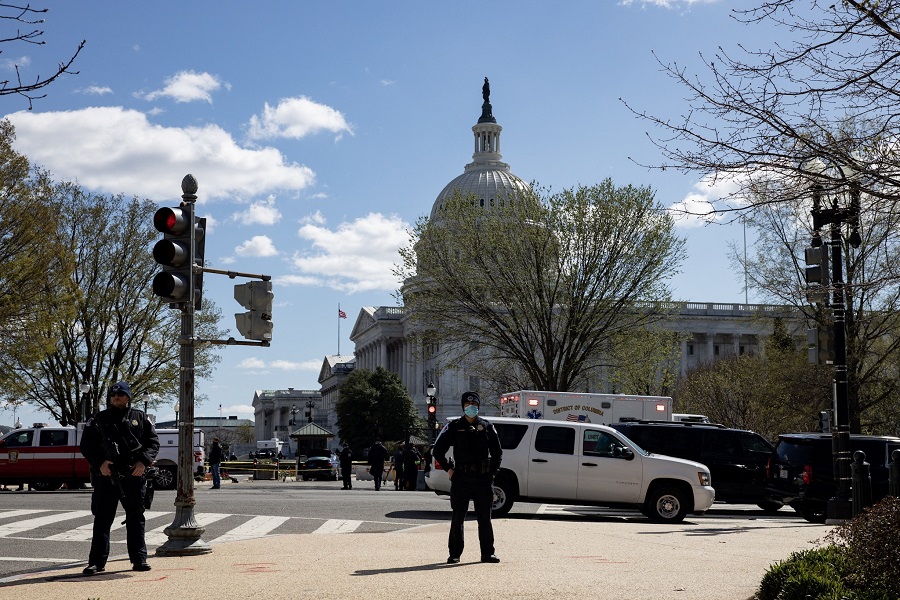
(605, 473)
(552, 463)
(737, 463)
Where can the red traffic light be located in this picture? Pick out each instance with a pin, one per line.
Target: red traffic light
(432, 409)
(170, 220)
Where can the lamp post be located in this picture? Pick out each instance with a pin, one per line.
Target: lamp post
(432, 410)
(85, 389)
(176, 414)
(840, 506)
(146, 397)
(309, 406)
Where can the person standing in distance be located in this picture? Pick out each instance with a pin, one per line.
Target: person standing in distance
(476, 460)
(377, 456)
(215, 460)
(119, 442)
(346, 466)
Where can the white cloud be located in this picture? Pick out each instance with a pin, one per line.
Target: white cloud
(251, 363)
(306, 365)
(258, 245)
(187, 86)
(697, 208)
(9, 64)
(262, 212)
(356, 257)
(296, 118)
(666, 3)
(96, 90)
(88, 146)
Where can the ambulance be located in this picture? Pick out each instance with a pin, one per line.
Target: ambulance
(599, 409)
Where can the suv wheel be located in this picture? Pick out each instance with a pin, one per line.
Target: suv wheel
(503, 497)
(770, 506)
(814, 512)
(666, 504)
(165, 478)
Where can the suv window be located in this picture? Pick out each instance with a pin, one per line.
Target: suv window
(796, 451)
(510, 435)
(599, 443)
(555, 440)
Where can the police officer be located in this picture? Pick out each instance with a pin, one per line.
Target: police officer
(119, 443)
(477, 453)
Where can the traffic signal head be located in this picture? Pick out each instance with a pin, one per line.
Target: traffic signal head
(256, 296)
(820, 342)
(817, 261)
(176, 254)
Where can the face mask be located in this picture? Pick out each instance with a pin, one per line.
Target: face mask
(471, 411)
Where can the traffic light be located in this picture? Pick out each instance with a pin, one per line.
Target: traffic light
(432, 411)
(256, 296)
(820, 345)
(175, 254)
(817, 274)
(825, 421)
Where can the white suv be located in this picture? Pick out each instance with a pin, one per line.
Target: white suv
(581, 463)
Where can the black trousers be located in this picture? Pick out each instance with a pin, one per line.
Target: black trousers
(346, 473)
(104, 504)
(478, 489)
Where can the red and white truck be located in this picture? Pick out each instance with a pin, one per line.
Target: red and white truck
(602, 409)
(48, 457)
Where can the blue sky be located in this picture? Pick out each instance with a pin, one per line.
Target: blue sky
(319, 132)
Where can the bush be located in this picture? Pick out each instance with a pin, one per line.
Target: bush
(862, 563)
(870, 544)
(804, 575)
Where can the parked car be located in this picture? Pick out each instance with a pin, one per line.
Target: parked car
(736, 458)
(265, 454)
(319, 467)
(801, 471)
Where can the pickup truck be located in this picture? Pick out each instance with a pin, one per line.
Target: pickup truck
(48, 457)
(582, 463)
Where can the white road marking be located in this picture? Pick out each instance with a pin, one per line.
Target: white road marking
(158, 537)
(20, 526)
(338, 526)
(254, 528)
(86, 532)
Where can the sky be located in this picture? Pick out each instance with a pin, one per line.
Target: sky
(320, 132)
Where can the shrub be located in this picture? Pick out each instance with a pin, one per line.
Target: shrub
(806, 574)
(871, 549)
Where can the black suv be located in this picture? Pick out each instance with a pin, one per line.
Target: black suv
(736, 458)
(801, 470)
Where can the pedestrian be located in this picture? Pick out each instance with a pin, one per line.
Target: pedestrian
(476, 460)
(119, 443)
(377, 455)
(397, 459)
(346, 466)
(215, 460)
(410, 467)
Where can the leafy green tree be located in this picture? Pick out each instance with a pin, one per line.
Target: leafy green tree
(117, 329)
(646, 361)
(533, 290)
(36, 263)
(375, 405)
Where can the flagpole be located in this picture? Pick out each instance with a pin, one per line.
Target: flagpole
(339, 329)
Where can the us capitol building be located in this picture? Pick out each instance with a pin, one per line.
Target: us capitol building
(380, 333)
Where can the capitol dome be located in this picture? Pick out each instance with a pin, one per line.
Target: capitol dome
(487, 180)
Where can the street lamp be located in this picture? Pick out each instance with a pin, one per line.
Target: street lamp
(309, 406)
(85, 390)
(176, 413)
(840, 505)
(146, 396)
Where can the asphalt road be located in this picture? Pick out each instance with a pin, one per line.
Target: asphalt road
(42, 530)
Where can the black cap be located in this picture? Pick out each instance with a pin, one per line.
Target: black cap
(470, 397)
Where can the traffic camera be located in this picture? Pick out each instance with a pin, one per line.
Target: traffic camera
(256, 296)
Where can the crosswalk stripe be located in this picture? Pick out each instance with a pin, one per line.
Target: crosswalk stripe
(338, 526)
(12, 513)
(20, 526)
(158, 537)
(86, 532)
(254, 528)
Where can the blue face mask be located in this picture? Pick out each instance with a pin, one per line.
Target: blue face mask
(471, 410)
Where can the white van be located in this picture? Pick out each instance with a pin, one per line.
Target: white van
(582, 463)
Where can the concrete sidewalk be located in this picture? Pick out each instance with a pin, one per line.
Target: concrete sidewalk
(700, 559)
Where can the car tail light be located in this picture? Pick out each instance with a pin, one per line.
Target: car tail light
(198, 456)
(807, 475)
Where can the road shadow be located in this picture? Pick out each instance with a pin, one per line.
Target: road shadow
(409, 569)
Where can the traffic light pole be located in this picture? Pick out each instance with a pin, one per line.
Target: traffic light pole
(185, 533)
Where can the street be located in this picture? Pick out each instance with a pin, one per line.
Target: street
(41, 530)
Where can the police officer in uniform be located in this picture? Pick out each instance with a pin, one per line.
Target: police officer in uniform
(477, 454)
(119, 443)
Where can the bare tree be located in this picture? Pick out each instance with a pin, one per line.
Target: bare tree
(27, 16)
(537, 288)
(829, 90)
